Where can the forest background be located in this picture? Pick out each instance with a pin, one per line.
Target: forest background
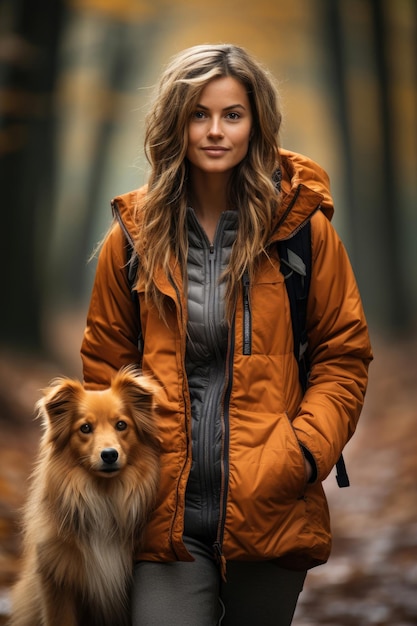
(76, 78)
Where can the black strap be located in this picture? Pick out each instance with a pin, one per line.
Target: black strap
(295, 263)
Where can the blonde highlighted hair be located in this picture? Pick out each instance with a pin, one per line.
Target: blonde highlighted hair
(251, 191)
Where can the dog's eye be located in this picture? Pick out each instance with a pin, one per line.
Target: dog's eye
(86, 428)
(121, 425)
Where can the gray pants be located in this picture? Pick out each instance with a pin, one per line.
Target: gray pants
(192, 594)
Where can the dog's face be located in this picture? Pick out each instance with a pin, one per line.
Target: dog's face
(104, 435)
(104, 429)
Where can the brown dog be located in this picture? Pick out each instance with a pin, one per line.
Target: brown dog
(92, 491)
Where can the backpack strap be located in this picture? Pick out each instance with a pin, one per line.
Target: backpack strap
(295, 263)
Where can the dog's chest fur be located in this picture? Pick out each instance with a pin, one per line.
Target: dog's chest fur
(95, 549)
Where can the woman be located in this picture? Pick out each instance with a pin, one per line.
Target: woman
(241, 514)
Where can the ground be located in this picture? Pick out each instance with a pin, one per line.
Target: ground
(371, 577)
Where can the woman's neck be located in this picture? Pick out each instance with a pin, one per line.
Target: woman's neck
(208, 197)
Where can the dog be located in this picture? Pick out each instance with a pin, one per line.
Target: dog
(91, 493)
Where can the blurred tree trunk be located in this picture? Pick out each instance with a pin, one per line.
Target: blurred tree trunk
(111, 61)
(357, 36)
(27, 159)
(398, 305)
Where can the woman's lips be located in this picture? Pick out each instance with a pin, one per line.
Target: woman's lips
(215, 150)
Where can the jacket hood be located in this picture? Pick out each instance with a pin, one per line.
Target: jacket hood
(305, 188)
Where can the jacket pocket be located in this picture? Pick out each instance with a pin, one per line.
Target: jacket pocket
(267, 465)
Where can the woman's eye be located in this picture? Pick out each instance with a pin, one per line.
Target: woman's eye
(121, 425)
(86, 428)
(233, 116)
(198, 115)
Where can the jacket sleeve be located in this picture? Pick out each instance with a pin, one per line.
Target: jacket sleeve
(339, 350)
(110, 336)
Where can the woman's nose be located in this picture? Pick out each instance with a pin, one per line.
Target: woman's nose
(215, 128)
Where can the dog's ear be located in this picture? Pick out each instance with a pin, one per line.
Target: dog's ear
(57, 406)
(138, 393)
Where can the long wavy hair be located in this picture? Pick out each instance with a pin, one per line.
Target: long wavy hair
(163, 232)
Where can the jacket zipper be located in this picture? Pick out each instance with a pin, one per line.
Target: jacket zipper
(247, 317)
(207, 433)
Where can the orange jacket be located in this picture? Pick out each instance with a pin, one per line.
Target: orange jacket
(268, 509)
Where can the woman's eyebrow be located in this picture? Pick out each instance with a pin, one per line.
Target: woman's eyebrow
(228, 108)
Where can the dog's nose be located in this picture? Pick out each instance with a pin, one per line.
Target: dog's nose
(109, 455)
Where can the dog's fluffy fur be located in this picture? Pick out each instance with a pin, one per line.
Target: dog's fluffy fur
(92, 490)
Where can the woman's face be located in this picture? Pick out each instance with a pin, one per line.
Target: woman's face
(220, 126)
